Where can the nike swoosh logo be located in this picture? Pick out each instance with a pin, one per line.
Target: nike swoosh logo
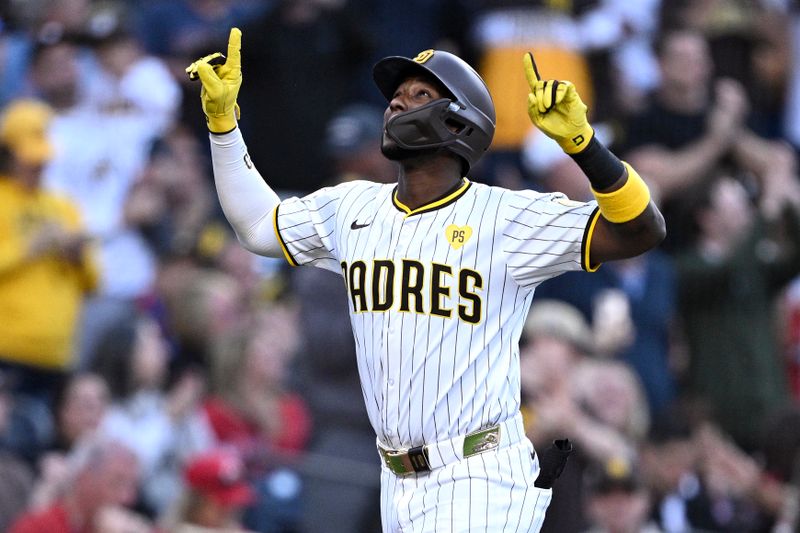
(356, 225)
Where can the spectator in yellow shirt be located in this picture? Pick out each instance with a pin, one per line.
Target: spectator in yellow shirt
(46, 266)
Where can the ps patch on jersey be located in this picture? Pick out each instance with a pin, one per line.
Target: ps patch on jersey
(457, 236)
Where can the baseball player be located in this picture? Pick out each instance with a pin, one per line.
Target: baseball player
(440, 273)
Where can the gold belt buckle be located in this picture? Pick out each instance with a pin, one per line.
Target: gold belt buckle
(481, 441)
(403, 462)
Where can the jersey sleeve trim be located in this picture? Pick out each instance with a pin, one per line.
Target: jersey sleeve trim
(286, 252)
(587, 242)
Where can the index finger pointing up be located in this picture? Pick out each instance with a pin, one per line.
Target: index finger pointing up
(531, 72)
(235, 48)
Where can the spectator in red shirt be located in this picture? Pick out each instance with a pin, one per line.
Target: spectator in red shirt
(103, 483)
(251, 407)
(253, 410)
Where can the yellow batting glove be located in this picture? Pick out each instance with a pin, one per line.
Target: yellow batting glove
(217, 58)
(221, 79)
(556, 108)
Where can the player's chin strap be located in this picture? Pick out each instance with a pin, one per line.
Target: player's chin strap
(552, 463)
(426, 126)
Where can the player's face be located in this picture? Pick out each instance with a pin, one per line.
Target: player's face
(412, 93)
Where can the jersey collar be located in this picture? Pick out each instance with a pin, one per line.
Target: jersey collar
(447, 199)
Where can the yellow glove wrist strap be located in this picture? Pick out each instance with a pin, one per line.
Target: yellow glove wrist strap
(221, 124)
(224, 123)
(578, 142)
(627, 202)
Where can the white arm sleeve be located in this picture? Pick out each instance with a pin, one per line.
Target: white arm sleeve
(246, 199)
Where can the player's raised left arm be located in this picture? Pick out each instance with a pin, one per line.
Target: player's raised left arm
(246, 199)
(629, 222)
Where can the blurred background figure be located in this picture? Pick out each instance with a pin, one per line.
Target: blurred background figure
(161, 422)
(16, 476)
(780, 449)
(110, 109)
(791, 117)
(171, 199)
(214, 495)
(669, 463)
(631, 305)
(729, 282)
(692, 123)
(79, 407)
(97, 494)
(202, 306)
(701, 481)
(253, 409)
(353, 145)
(298, 44)
(750, 43)
(617, 500)
(606, 420)
(46, 272)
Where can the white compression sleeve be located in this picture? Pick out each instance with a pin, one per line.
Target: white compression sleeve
(246, 199)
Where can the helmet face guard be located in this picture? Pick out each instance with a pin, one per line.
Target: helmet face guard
(462, 124)
(421, 128)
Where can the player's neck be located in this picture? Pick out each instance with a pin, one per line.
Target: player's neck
(420, 185)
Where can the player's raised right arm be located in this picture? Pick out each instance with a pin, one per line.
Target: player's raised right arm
(630, 223)
(246, 199)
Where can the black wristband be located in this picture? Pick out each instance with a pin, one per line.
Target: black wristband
(599, 164)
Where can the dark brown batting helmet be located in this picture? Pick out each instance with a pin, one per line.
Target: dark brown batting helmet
(462, 124)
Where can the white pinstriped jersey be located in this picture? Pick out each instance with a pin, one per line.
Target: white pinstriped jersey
(438, 295)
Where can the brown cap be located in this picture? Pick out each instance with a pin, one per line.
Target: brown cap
(23, 130)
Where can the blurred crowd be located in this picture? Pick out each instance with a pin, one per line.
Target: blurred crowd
(157, 377)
